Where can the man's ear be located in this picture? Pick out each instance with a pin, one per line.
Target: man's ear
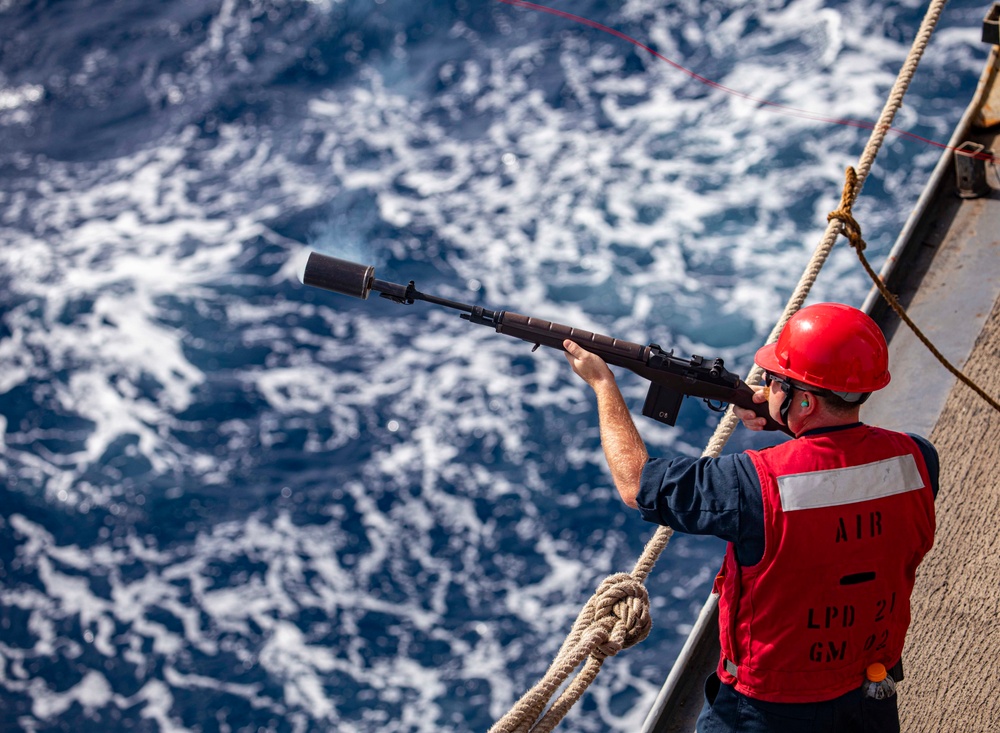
(808, 404)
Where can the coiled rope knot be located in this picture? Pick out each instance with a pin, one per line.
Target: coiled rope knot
(848, 224)
(621, 608)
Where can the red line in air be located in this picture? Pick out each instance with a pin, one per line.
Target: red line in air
(784, 109)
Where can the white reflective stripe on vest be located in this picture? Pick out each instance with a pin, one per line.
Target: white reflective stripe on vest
(839, 486)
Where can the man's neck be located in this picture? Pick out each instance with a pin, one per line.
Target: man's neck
(824, 419)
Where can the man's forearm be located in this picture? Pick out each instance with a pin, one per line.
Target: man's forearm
(624, 449)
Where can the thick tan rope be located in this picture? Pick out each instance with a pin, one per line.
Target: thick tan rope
(615, 618)
(617, 615)
(852, 230)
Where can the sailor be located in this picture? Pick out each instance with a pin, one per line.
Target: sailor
(825, 531)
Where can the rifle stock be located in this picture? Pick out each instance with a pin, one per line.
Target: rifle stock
(671, 378)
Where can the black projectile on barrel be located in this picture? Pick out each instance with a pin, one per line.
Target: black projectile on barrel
(340, 276)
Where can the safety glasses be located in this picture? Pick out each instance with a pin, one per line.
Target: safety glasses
(782, 384)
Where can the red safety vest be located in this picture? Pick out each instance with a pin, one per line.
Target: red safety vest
(848, 516)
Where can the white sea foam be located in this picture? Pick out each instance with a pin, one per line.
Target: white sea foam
(448, 472)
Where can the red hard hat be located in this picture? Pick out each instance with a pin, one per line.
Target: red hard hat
(831, 346)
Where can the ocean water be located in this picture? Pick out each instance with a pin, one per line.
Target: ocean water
(234, 503)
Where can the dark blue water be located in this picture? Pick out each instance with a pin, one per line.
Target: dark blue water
(232, 503)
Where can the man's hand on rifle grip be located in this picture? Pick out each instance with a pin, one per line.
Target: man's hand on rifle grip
(749, 418)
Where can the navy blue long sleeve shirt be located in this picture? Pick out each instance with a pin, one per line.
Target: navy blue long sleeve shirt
(722, 496)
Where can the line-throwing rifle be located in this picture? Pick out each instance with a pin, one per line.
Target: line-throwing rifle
(671, 378)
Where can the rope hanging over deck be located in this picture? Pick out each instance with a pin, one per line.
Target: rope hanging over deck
(852, 230)
(617, 615)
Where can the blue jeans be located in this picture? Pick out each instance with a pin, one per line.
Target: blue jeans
(728, 711)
